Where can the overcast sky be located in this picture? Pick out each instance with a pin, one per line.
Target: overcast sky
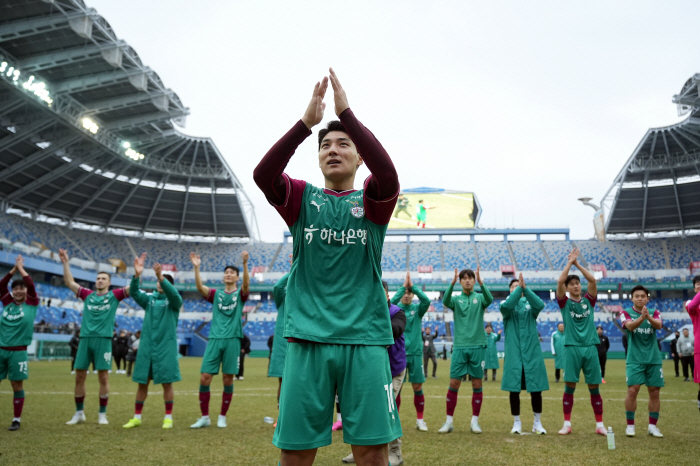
(531, 106)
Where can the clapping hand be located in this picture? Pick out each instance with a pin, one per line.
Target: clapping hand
(314, 112)
(341, 100)
(138, 264)
(195, 259)
(408, 284)
(245, 256)
(522, 281)
(158, 269)
(573, 256)
(478, 276)
(454, 280)
(63, 255)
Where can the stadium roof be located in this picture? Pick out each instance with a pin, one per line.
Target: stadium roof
(658, 189)
(87, 132)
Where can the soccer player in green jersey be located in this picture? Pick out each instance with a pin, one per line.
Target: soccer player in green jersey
(279, 343)
(558, 350)
(16, 332)
(491, 360)
(469, 349)
(402, 206)
(523, 365)
(414, 342)
(422, 213)
(224, 347)
(97, 327)
(338, 330)
(157, 356)
(643, 358)
(581, 340)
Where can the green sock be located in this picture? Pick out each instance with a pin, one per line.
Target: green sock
(228, 388)
(594, 391)
(453, 390)
(19, 394)
(418, 393)
(629, 415)
(203, 388)
(569, 390)
(478, 390)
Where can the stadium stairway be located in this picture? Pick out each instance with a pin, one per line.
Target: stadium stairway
(546, 256)
(512, 255)
(274, 257)
(476, 254)
(667, 256)
(442, 257)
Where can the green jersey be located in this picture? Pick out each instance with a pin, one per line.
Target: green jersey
(558, 342)
(17, 322)
(414, 314)
(469, 316)
(491, 358)
(279, 294)
(642, 345)
(99, 311)
(579, 321)
(227, 311)
(334, 292)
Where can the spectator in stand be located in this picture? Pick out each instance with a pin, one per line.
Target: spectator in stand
(134, 341)
(429, 351)
(121, 348)
(245, 349)
(674, 352)
(686, 349)
(48, 304)
(603, 348)
(73, 343)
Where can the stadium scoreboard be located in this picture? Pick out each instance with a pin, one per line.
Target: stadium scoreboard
(437, 208)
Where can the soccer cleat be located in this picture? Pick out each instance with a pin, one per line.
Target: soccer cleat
(240, 378)
(566, 430)
(167, 423)
(475, 426)
(446, 428)
(395, 458)
(337, 425)
(538, 429)
(653, 431)
(78, 418)
(629, 431)
(102, 419)
(349, 459)
(221, 422)
(201, 422)
(517, 428)
(421, 425)
(601, 431)
(73, 373)
(132, 423)
(15, 426)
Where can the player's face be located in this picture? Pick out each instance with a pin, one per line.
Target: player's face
(230, 276)
(102, 281)
(640, 299)
(560, 327)
(386, 292)
(159, 288)
(574, 288)
(19, 293)
(488, 330)
(467, 282)
(696, 287)
(600, 331)
(685, 332)
(513, 286)
(407, 298)
(338, 156)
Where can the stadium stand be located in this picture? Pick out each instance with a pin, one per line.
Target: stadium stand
(529, 255)
(424, 253)
(459, 255)
(493, 254)
(682, 251)
(642, 255)
(394, 256)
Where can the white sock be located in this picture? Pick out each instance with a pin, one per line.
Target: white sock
(537, 417)
(17, 419)
(598, 425)
(516, 419)
(169, 416)
(339, 418)
(567, 423)
(449, 420)
(475, 418)
(137, 416)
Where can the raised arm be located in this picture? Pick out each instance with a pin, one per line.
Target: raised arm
(139, 296)
(592, 285)
(245, 286)
(488, 297)
(508, 306)
(407, 284)
(32, 297)
(174, 298)
(561, 283)
(447, 297)
(67, 275)
(693, 306)
(279, 291)
(424, 301)
(197, 263)
(4, 291)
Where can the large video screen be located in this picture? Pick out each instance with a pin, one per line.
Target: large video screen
(437, 209)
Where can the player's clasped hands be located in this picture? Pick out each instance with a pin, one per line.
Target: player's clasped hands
(316, 108)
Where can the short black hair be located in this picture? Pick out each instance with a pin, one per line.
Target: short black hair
(169, 277)
(385, 285)
(333, 125)
(639, 288)
(696, 279)
(420, 201)
(515, 280)
(468, 272)
(234, 268)
(489, 326)
(570, 278)
(18, 282)
(106, 273)
(599, 327)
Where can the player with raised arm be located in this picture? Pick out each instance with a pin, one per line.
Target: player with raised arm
(16, 333)
(469, 349)
(558, 350)
(279, 343)
(157, 356)
(96, 329)
(335, 327)
(224, 346)
(581, 340)
(643, 358)
(414, 342)
(523, 365)
(693, 309)
(422, 213)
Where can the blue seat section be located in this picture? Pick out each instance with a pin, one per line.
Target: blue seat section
(459, 255)
(529, 255)
(259, 329)
(682, 251)
(282, 262)
(557, 252)
(394, 256)
(493, 254)
(641, 255)
(596, 252)
(425, 253)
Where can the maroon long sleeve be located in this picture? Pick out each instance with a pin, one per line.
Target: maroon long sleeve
(32, 297)
(4, 292)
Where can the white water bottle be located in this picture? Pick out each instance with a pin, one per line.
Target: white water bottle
(268, 420)
(611, 439)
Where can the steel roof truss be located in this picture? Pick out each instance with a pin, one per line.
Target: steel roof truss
(678, 202)
(98, 193)
(155, 204)
(213, 209)
(25, 132)
(184, 205)
(38, 156)
(124, 202)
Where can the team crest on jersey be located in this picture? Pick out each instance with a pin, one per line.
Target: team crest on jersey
(474, 301)
(585, 306)
(413, 312)
(356, 210)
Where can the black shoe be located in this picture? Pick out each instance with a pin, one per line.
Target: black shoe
(686, 380)
(557, 381)
(435, 377)
(677, 375)
(14, 426)
(493, 380)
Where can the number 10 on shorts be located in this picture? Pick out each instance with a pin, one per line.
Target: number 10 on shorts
(390, 397)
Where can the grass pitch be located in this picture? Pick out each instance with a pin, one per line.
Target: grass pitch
(45, 439)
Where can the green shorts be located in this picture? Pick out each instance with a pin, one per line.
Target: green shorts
(277, 358)
(313, 374)
(96, 350)
(14, 365)
(467, 360)
(414, 368)
(582, 357)
(224, 352)
(651, 375)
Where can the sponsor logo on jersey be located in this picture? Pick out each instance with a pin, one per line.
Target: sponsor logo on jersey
(11, 317)
(318, 206)
(357, 211)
